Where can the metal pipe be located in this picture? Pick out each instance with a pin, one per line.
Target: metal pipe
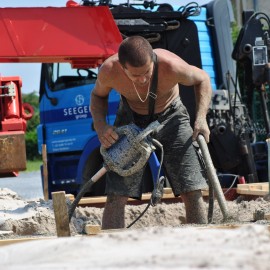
(212, 176)
(268, 159)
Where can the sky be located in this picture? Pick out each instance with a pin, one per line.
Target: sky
(30, 72)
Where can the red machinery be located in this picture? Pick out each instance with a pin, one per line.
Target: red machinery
(83, 36)
(13, 117)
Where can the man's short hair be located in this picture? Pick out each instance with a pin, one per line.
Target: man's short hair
(135, 51)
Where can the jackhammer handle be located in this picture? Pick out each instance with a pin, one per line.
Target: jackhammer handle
(212, 176)
(120, 131)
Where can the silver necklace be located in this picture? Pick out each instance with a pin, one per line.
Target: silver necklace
(142, 100)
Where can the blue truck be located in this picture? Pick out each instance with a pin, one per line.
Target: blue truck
(201, 35)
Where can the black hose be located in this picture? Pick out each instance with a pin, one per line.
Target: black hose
(84, 189)
(191, 9)
(157, 143)
(142, 213)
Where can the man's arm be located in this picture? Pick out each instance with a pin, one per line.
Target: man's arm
(99, 107)
(191, 75)
(203, 95)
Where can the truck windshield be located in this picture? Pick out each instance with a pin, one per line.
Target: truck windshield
(63, 76)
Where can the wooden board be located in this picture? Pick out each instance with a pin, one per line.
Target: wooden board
(91, 229)
(5, 242)
(259, 189)
(168, 194)
(61, 214)
(45, 173)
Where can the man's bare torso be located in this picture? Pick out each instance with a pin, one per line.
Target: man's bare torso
(167, 88)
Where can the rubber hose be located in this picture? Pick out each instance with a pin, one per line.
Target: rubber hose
(83, 190)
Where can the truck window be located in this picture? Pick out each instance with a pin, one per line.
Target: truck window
(63, 76)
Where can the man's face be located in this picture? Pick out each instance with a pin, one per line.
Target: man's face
(140, 75)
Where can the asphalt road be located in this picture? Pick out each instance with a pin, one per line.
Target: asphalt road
(27, 185)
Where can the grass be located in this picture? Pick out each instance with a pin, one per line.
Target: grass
(33, 165)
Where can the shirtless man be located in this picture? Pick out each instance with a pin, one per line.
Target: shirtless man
(130, 73)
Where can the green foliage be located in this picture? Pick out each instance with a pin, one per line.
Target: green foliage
(32, 99)
(31, 145)
(235, 32)
(33, 165)
(31, 131)
(33, 122)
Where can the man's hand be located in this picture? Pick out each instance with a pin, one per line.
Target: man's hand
(107, 136)
(201, 127)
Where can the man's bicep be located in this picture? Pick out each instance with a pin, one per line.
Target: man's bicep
(101, 89)
(191, 75)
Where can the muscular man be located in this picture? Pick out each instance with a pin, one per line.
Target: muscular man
(130, 73)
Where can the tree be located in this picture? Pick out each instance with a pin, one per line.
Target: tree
(31, 131)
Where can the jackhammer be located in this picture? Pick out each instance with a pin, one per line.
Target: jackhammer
(126, 157)
(130, 154)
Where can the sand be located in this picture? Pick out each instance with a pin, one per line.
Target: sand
(159, 240)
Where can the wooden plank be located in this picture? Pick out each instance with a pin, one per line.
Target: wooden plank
(258, 189)
(167, 190)
(91, 229)
(45, 173)
(252, 192)
(5, 242)
(61, 214)
(145, 197)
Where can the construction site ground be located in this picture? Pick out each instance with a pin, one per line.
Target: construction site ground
(159, 240)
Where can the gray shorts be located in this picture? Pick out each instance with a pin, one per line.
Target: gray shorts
(181, 164)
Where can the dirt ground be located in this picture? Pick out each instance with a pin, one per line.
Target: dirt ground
(159, 240)
(29, 218)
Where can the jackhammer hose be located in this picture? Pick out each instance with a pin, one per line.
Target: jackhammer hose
(212, 176)
(158, 144)
(84, 189)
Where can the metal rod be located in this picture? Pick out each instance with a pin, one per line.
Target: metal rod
(212, 176)
(268, 158)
